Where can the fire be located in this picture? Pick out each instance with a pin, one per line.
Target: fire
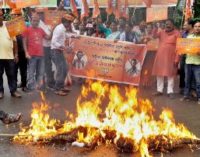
(127, 121)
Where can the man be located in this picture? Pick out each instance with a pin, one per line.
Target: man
(75, 26)
(32, 42)
(192, 67)
(128, 35)
(187, 29)
(115, 33)
(22, 61)
(49, 78)
(58, 48)
(8, 56)
(7, 118)
(166, 60)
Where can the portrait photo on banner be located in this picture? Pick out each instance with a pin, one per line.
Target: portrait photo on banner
(80, 60)
(133, 67)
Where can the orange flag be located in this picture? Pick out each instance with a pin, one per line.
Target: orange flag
(96, 10)
(117, 8)
(124, 8)
(73, 7)
(188, 9)
(84, 9)
(10, 3)
(1, 3)
(109, 9)
(148, 3)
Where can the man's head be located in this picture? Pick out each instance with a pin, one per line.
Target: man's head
(113, 26)
(128, 27)
(66, 23)
(16, 12)
(79, 55)
(90, 29)
(196, 26)
(169, 25)
(35, 19)
(82, 28)
(76, 24)
(122, 21)
(133, 62)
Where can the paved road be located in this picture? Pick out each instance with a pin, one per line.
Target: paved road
(187, 113)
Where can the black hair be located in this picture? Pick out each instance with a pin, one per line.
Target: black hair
(129, 24)
(64, 20)
(171, 20)
(196, 20)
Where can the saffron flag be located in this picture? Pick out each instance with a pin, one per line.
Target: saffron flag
(116, 7)
(188, 9)
(148, 3)
(109, 9)
(124, 9)
(11, 3)
(84, 9)
(1, 3)
(15, 26)
(96, 10)
(73, 8)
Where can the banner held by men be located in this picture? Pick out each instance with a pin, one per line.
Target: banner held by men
(103, 59)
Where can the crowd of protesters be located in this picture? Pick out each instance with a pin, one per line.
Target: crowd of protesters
(40, 46)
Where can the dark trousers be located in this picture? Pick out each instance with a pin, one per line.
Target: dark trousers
(9, 66)
(182, 71)
(48, 67)
(61, 68)
(192, 71)
(22, 66)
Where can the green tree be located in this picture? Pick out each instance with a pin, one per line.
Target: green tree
(196, 8)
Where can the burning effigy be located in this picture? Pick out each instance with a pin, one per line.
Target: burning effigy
(127, 122)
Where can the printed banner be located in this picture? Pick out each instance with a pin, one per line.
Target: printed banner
(156, 14)
(187, 46)
(15, 26)
(104, 3)
(102, 59)
(53, 17)
(26, 3)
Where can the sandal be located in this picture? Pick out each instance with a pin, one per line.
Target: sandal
(65, 89)
(12, 118)
(61, 93)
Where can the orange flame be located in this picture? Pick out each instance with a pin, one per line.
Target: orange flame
(128, 116)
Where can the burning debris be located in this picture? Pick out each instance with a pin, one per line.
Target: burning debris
(127, 123)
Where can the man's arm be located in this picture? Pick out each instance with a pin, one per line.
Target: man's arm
(25, 47)
(15, 51)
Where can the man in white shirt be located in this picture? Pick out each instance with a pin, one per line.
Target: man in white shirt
(49, 79)
(58, 48)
